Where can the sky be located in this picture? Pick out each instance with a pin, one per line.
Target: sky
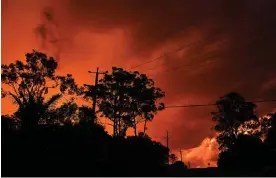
(208, 48)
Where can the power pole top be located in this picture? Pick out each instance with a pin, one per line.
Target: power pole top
(95, 94)
(96, 72)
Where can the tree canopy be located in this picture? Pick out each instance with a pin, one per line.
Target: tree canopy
(270, 130)
(247, 152)
(240, 132)
(28, 83)
(126, 98)
(233, 111)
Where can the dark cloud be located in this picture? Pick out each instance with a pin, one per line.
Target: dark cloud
(244, 61)
(152, 22)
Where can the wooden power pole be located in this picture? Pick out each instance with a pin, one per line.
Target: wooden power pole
(180, 155)
(167, 138)
(95, 94)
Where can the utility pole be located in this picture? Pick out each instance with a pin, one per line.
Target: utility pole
(180, 155)
(167, 138)
(167, 141)
(95, 94)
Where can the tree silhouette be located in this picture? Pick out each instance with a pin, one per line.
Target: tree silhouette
(233, 111)
(9, 123)
(27, 84)
(247, 153)
(178, 168)
(270, 139)
(127, 99)
(239, 135)
(67, 112)
(145, 151)
(85, 113)
(41, 137)
(172, 158)
(269, 125)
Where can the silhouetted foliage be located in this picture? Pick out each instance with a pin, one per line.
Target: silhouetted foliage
(178, 168)
(9, 123)
(145, 152)
(232, 113)
(172, 158)
(239, 135)
(28, 83)
(246, 153)
(126, 99)
(67, 112)
(270, 131)
(85, 113)
(55, 148)
(84, 148)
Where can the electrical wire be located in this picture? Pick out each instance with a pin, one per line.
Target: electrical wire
(178, 49)
(203, 105)
(185, 46)
(201, 60)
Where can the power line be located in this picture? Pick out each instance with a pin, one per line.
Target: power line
(178, 49)
(188, 45)
(150, 61)
(200, 60)
(169, 33)
(203, 105)
(191, 63)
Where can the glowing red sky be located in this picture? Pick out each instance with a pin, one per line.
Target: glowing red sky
(235, 37)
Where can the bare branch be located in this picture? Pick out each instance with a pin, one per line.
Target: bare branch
(16, 99)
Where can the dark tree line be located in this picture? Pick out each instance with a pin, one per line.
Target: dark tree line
(47, 137)
(247, 141)
(126, 98)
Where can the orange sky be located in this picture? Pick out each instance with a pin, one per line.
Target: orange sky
(103, 34)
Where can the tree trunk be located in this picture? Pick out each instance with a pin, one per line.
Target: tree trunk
(134, 126)
(145, 127)
(135, 130)
(114, 128)
(124, 131)
(29, 121)
(119, 127)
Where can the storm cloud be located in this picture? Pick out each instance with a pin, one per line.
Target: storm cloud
(223, 46)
